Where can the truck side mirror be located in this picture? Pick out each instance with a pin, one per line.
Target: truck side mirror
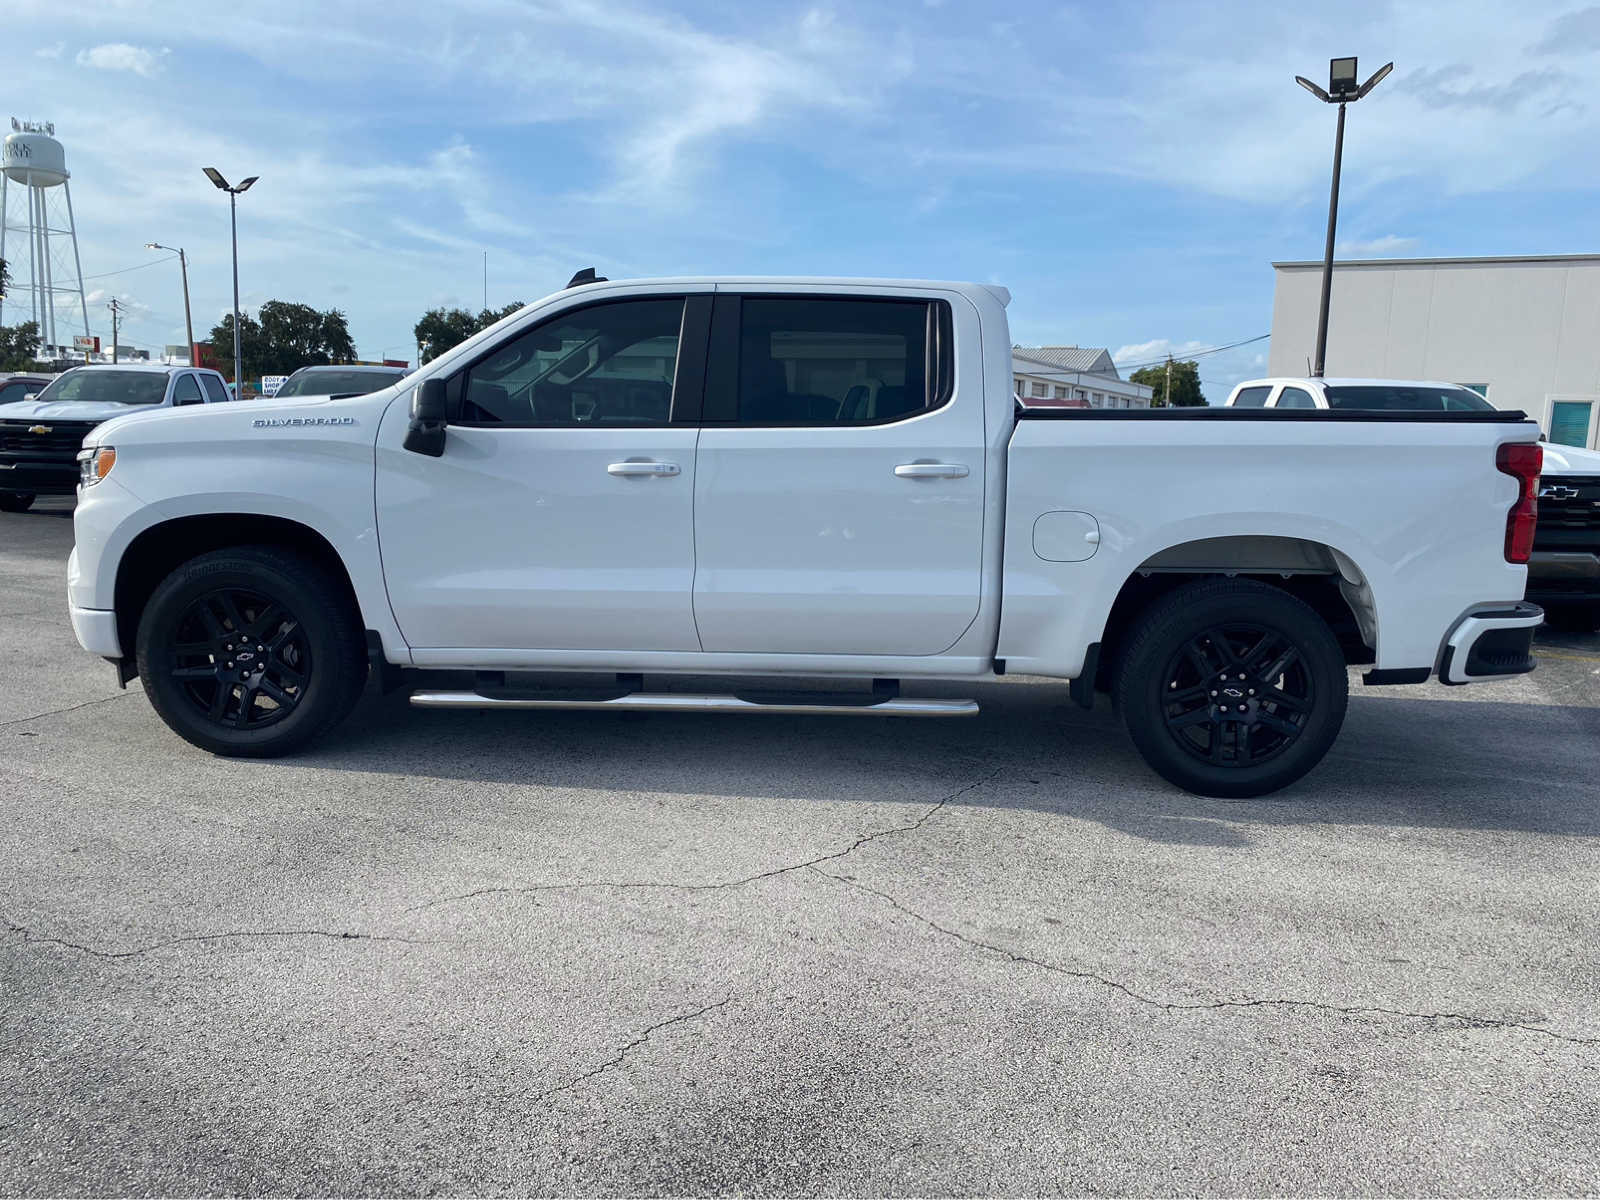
(429, 416)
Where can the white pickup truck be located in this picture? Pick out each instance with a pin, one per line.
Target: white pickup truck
(796, 479)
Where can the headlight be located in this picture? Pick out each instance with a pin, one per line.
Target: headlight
(94, 464)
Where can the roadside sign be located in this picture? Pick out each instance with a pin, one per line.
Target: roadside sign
(271, 383)
(79, 342)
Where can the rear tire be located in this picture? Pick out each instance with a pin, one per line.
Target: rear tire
(251, 652)
(16, 501)
(1232, 688)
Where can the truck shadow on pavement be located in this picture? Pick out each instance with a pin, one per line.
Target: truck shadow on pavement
(1428, 763)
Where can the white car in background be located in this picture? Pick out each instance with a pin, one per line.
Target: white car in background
(1564, 571)
(1367, 395)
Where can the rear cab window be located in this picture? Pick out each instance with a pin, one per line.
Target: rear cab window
(1406, 397)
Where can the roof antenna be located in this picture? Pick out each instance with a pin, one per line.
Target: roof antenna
(586, 275)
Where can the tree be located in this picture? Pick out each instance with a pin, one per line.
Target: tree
(442, 329)
(1185, 376)
(284, 338)
(19, 344)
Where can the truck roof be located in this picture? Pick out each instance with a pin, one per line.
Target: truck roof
(999, 293)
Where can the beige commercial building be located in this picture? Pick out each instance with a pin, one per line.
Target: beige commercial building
(1525, 332)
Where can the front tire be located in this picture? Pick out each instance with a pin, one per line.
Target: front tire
(251, 652)
(16, 501)
(1232, 688)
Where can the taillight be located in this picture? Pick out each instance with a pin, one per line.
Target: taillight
(1522, 461)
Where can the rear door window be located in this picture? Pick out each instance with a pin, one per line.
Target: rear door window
(1252, 397)
(215, 392)
(1293, 397)
(825, 360)
(186, 390)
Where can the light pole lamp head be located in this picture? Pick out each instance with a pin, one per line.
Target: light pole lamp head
(1313, 89)
(216, 177)
(245, 186)
(1342, 81)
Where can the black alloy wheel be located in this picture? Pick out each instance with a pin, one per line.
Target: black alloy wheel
(1238, 694)
(1231, 687)
(252, 651)
(241, 659)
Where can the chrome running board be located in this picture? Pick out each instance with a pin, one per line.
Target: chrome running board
(868, 706)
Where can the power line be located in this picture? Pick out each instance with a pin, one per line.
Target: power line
(1188, 354)
(154, 262)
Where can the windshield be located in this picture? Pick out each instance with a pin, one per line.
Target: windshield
(336, 383)
(1405, 397)
(109, 387)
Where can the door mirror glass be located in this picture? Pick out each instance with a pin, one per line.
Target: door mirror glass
(429, 416)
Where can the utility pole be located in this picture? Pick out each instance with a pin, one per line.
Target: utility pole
(116, 311)
(183, 265)
(1166, 395)
(485, 281)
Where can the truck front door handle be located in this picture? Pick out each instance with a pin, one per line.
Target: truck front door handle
(642, 468)
(931, 470)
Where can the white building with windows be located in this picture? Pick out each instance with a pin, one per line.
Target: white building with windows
(1524, 332)
(1073, 377)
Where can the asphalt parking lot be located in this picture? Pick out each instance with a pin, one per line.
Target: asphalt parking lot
(601, 953)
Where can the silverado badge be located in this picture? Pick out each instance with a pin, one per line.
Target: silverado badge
(38, 429)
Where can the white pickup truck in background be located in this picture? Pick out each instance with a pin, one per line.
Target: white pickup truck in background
(786, 479)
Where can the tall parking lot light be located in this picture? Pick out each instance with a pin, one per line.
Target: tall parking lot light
(1342, 90)
(233, 216)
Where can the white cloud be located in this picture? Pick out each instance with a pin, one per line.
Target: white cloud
(1377, 247)
(52, 51)
(120, 56)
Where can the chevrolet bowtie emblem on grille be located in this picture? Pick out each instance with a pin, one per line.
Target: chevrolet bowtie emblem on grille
(46, 429)
(1557, 491)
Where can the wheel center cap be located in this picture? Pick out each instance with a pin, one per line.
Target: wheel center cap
(1233, 691)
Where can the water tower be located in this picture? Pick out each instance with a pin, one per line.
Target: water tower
(33, 174)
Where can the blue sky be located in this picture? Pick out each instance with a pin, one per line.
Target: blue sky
(1129, 172)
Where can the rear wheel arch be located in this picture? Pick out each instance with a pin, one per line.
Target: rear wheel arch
(1322, 576)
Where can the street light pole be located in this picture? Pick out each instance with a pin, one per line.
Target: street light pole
(1327, 251)
(188, 319)
(233, 219)
(1342, 90)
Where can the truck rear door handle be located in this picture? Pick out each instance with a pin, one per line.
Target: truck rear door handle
(642, 468)
(931, 470)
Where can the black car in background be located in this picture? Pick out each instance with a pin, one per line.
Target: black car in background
(339, 381)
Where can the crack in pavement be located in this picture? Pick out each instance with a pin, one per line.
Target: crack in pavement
(1466, 1020)
(622, 1054)
(29, 935)
(56, 712)
(623, 885)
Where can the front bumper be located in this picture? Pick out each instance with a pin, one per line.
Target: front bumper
(96, 631)
(41, 477)
(1491, 643)
(1556, 576)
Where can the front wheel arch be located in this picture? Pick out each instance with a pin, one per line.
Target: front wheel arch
(158, 551)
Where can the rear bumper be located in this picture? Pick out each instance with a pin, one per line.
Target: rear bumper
(1491, 643)
(42, 478)
(96, 631)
